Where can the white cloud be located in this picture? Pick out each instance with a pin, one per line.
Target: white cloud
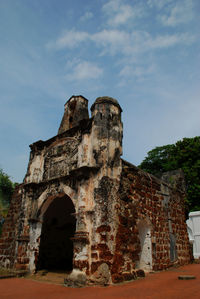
(87, 16)
(119, 13)
(69, 39)
(122, 42)
(111, 6)
(167, 40)
(139, 72)
(180, 13)
(84, 70)
(158, 3)
(112, 41)
(132, 48)
(137, 42)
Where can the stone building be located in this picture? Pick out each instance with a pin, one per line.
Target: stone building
(84, 210)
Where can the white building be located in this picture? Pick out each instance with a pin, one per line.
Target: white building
(193, 226)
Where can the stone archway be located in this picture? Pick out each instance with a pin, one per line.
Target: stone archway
(58, 227)
(145, 260)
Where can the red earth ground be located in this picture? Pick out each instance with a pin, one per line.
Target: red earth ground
(157, 285)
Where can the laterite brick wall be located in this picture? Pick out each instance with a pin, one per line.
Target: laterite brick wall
(144, 198)
(9, 233)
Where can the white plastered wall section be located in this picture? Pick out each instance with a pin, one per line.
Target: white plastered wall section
(145, 261)
(193, 227)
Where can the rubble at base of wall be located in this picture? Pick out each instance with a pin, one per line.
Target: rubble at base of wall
(76, 279)
(102, 277)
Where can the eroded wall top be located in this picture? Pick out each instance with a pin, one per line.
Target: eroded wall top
(76, 109)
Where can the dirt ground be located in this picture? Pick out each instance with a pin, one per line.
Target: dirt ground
(158, 285)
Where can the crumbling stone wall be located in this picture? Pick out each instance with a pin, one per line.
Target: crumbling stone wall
(125, 219)
(146, 198)
(76, 109)
(9, 235)
(175, 178)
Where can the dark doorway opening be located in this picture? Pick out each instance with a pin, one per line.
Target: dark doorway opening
(56, 246)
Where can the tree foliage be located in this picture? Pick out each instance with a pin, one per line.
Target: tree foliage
(184, 154)
(6, 187)
(6, 191)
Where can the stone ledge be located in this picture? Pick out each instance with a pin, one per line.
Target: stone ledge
(186, 277)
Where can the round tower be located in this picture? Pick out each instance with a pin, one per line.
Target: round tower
(105, 100)
(107, 132)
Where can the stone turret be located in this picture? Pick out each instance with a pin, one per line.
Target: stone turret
(107, 132)
(105, 100)
(76, 109)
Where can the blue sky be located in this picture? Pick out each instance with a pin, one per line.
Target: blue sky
(144, 53)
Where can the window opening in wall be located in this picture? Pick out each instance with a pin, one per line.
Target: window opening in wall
(56, 246)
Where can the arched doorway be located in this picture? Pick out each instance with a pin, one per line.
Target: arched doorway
(56, 246)
(145, 261)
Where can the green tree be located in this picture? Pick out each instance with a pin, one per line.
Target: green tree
(6, 187)
(184, 154)
(158, 160)
(6, 191)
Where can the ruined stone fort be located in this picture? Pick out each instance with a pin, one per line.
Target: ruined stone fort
(83, 209)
